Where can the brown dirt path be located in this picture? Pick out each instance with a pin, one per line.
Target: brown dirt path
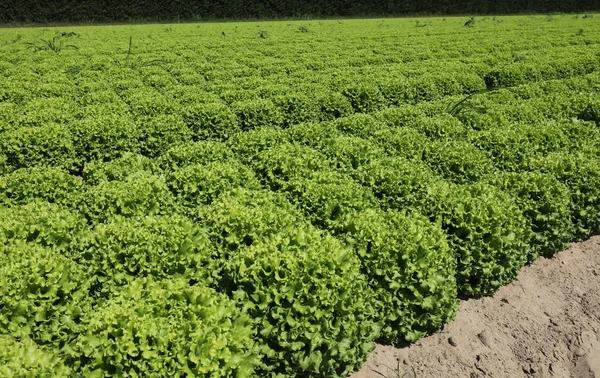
(544, 324)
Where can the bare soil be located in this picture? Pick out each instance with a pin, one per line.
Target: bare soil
(544, 324)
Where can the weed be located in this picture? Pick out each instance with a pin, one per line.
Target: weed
(135, 64)
(470, 22)
(55, 44)
(518, 57)
(67, 34)
(263, 34)
(303, 29)
(73, 71)
(396, 372)
(463, 104)
(580, 32)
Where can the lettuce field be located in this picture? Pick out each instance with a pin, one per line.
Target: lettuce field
(267, 199)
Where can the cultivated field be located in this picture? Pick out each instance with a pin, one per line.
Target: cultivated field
(266, 199)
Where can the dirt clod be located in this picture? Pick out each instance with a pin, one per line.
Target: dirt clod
(484, 337)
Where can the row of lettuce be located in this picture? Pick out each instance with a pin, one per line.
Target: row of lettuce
(69, 135)
(281, 251)
(60, 97)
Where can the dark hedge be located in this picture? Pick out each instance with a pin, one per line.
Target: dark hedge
(130, 10)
